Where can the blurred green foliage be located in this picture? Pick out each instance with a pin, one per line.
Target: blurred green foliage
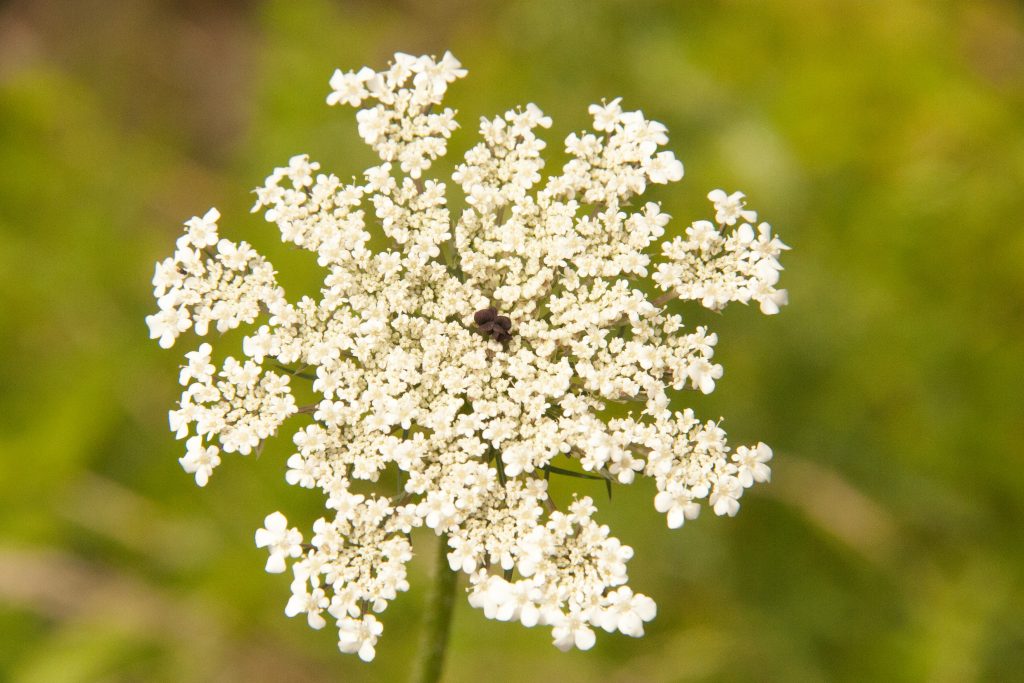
(884, 141)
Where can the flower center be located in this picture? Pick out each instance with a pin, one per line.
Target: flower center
(490, 323)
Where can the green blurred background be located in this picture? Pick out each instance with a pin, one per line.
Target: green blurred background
(883, 140)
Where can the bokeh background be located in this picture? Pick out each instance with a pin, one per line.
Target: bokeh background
(883, 140)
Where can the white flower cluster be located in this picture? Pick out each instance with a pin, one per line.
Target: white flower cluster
(471, 360)
(716, 268)
(242, 409)
(209, 280)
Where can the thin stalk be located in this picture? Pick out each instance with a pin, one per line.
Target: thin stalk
(438, 619)
(665, 298)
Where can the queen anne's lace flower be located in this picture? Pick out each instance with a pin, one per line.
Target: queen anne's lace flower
(472, 359)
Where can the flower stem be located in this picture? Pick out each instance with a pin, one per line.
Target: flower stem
(438, 619)
(665, 298)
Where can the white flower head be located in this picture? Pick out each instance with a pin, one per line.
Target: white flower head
(280, 541)
(606, 114)
(202, 232)
(573, 631)
(753, 464)
(199, 460)
(730, 207)
(359, 636)
(350, 88)
(471, 358)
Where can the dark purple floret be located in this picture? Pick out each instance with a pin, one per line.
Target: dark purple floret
(485, 315)
(497, 327)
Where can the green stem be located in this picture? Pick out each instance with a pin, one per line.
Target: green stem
(438, 619)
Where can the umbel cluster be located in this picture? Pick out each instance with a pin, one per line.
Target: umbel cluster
(461, 367)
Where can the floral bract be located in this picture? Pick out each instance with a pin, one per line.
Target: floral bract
(472, 359)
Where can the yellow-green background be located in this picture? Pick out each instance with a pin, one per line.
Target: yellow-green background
(883, 140)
